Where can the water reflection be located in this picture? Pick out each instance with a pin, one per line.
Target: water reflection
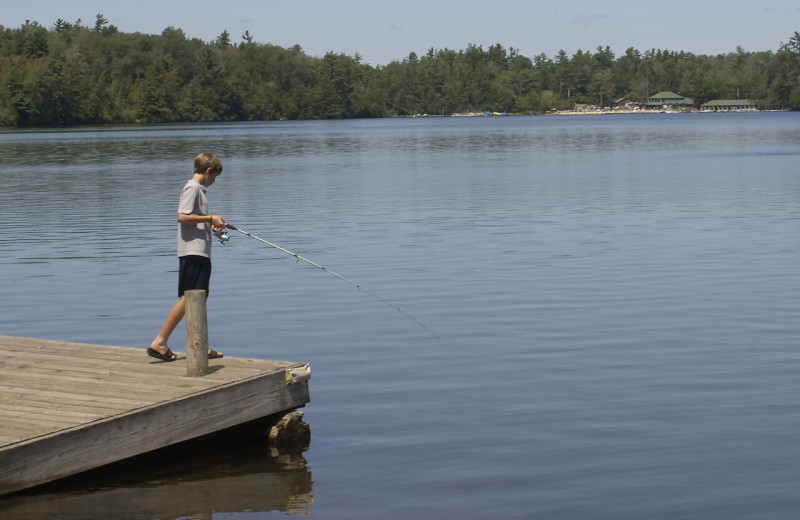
(218, 474)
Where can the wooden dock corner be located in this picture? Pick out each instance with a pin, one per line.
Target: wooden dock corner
(66, 407)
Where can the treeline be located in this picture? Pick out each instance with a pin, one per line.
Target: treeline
(74, 74)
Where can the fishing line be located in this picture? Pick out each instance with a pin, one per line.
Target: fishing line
(223, 237)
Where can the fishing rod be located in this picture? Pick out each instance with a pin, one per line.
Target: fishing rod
(223, 237)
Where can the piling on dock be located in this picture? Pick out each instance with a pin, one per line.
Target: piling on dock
(196, 333)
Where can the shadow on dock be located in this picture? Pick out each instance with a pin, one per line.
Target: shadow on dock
(235, 470)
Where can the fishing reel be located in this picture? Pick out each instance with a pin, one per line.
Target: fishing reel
(222, 235)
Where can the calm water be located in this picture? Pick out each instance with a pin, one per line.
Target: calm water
(617, 300)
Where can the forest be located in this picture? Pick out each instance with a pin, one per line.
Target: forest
(71, 74)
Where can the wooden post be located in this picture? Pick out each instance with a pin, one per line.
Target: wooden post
(196, 333)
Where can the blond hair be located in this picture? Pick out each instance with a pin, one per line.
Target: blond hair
(204, 161)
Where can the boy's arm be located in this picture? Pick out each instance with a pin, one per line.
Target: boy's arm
(189, 218)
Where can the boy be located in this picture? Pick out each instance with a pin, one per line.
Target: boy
(194, 248)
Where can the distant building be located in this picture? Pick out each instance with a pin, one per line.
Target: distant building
(729, 105)
(667, 99)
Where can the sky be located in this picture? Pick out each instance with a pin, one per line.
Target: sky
(382, 32)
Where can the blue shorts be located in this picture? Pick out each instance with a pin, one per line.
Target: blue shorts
(194, 273)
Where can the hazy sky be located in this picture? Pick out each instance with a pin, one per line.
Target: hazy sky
(385, 31)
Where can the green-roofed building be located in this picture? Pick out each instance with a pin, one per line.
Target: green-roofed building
(729, 105)
(665, 98)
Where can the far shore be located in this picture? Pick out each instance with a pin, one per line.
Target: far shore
(593, 112)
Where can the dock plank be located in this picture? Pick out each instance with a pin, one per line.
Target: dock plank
(56, 398)
(69, 407)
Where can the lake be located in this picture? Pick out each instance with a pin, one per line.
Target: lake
(610, 307)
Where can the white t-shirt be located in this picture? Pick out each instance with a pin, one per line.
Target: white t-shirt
(194, 239)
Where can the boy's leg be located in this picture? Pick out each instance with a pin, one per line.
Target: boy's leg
(173, 318)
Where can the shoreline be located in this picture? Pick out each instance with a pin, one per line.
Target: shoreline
(599, 112)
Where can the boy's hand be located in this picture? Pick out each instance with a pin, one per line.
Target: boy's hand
(217, 222)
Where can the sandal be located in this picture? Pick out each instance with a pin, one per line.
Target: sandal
(169, 355)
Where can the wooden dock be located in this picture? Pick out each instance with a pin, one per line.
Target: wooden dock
(69, 407)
